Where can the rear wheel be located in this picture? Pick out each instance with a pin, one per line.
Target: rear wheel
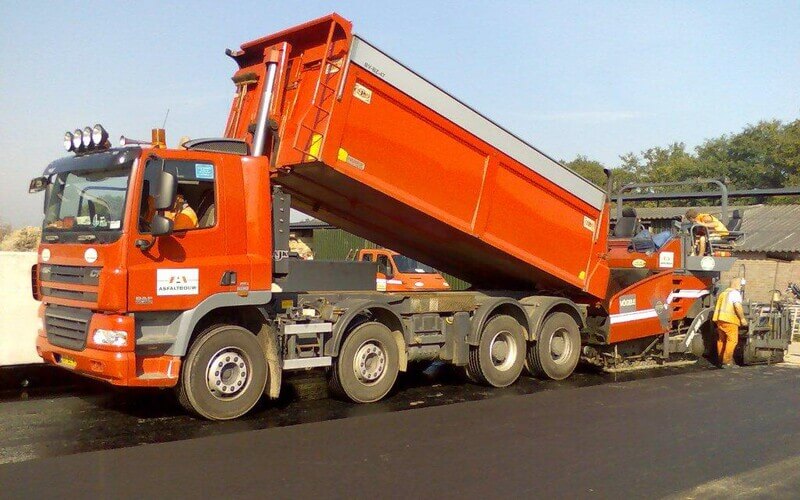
(555, 354)
(367, 366)
(224, 373)
(499, 357)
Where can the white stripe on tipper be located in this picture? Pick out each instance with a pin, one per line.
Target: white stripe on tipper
(651, 313)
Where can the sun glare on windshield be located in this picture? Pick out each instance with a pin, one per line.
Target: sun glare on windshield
(88, 200)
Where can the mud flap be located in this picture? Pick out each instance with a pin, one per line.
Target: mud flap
(269, 343)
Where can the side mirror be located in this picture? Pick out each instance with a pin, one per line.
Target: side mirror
(160, 226)
(38, 184)
(166, 191)
(389, 272)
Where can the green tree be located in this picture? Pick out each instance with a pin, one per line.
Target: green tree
(591, 170)
(594, 171)
(764, 155)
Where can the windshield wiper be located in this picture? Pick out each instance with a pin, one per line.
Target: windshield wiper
(51, 237)
(87, 237)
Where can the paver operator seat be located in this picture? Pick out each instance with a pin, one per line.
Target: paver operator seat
(628, 224)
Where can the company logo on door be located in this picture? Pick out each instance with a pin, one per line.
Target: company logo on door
(177, 282)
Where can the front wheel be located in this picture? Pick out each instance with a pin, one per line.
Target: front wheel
(224, 373)
(556, 352)
(368, 364)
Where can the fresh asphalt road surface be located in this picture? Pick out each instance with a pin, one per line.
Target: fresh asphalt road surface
(92, 416)
(688, 433)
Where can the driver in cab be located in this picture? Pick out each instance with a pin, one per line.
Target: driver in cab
(181, 214)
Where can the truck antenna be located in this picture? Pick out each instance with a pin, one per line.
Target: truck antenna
(164, 126)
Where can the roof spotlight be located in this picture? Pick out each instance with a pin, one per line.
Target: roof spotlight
(77, 139)
(68, 141)
(87, 138)
(99, 135)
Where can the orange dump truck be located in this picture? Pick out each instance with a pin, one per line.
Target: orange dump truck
(170, 267)
(397, 273)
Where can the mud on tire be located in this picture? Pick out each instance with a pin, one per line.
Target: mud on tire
(498, 358)
(556, 352)
(367, 366)
(224, 373)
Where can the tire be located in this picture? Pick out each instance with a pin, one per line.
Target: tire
(556, 352)
(367, 366)
(500, 355)
(239, 383)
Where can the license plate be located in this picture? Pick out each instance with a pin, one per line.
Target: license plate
(67, 362)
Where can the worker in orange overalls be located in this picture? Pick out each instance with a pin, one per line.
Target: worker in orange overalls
(728, 316)
(713, 229)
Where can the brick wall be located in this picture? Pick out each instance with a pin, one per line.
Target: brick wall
(763, 274)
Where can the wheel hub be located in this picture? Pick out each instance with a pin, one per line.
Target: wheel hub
(369, 362)
(227, 373)
(503, 350)
(560, 346)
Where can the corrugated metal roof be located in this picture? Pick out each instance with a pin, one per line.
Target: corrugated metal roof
(771, 228)
(665, 213)
(309, 224)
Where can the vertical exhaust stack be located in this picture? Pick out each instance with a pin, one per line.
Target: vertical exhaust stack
(271, 57)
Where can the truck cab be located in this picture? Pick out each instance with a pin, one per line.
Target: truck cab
(136, 240)
(398, 273)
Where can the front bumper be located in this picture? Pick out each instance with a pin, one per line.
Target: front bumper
(122, 367)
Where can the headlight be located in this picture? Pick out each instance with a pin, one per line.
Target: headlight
(87, 137)
(77, 139)
(68, 141)
(99, 135)
(117, 338)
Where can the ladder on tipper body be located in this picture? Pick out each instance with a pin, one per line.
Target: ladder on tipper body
(316, 119)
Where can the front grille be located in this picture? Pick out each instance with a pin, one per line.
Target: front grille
(35, 282)
(76, 275)
(69, 294)
(67, 326)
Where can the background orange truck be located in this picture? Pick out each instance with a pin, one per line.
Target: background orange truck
(325, 122)
(397, 273)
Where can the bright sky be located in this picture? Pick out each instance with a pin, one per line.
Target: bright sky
(594, 78)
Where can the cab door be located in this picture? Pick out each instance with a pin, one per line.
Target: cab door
(386, 267)
(179, 270)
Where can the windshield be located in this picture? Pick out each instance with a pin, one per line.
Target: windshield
(87, 200)
(407, 265)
